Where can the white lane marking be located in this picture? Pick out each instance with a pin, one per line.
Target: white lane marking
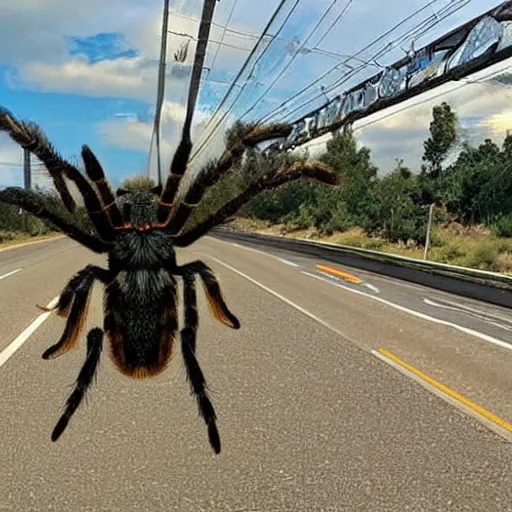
(477, 314)
(282, 260)
(10, 273)
(472, 310)
(279, 296)
(286, 262)
(373, 288)
(6, 354)
(461, 328)
(447, 398)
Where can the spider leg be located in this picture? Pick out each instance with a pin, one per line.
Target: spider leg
(75, 299)
(30, 136)
(212, 290)
(32, 203)
(194, 373)
(68, 293)
(96, 174)
(83, 381)
(178, 216)
(315, 171)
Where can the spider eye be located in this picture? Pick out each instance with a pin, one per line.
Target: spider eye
(121, 192)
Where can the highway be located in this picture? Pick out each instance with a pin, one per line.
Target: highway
(342, 391)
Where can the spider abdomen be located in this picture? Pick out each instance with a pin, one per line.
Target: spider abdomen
(141, 321)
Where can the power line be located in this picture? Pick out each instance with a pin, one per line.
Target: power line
(384, 50)
(223, 34)
(335, 22)
(243, 68)
(295, 55)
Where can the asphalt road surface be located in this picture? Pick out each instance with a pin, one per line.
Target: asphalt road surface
(342, 391)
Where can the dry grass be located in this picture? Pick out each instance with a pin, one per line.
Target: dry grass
(471, 247)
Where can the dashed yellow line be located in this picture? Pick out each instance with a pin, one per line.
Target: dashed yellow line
(468, 403)
(339, 273)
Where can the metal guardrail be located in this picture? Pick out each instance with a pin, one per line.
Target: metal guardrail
(481, 285)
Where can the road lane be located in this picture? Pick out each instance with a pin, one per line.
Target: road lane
(45, 269)
(309, 419)
(473, 314)
(475, 368)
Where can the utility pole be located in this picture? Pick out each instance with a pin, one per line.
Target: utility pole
(160, 92)
(27, 172)
(429, 227)
(27, 183)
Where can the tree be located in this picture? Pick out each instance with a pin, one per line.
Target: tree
(444, 133)
(309, 204)
(478, 186)
(396, 213)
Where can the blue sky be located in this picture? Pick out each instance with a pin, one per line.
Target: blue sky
(87, 72)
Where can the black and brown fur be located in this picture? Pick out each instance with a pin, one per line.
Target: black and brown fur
(139, 231)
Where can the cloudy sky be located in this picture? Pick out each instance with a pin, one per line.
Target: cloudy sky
(87, 71)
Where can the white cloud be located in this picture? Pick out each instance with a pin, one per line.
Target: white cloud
(132, 78)
(134, 134)
(37, 47)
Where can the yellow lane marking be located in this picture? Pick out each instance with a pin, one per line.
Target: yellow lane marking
(339, 273)
(486, 414)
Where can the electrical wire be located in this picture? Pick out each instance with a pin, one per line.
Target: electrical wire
(344, 78)
(465, 82)
(335, 22)
(160, 90)
(275, 112)
(223, 34)
(296, 53)
(411, 34)
(242, 69)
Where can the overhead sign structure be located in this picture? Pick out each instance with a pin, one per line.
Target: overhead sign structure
(474, 46)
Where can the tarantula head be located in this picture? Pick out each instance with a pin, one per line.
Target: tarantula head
(138, 207)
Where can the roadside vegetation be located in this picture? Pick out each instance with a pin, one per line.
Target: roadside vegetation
(469, 186)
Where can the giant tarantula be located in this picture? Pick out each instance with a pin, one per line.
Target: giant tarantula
(139, 231)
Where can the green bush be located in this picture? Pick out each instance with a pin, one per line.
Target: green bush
(503, 226)
(483, 258)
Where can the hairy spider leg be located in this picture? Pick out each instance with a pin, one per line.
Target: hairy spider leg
(96, 174)
(31, 202)
(315, 171)
(195, 375)
(32, 137)
(83, 381)
(68, 293)
(172, 183)
(179, 214)
(77, 290)
(212, 290)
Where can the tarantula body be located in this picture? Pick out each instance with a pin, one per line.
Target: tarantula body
(140, 303)
(139, 230)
